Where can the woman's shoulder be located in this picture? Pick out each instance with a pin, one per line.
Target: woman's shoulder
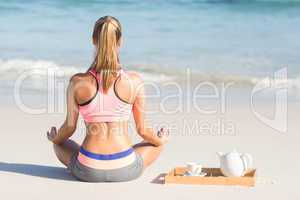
(79, 77)
(128, 85)
(134, 76)
(82, 81)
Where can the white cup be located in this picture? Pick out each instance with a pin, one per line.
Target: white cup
(194, 168)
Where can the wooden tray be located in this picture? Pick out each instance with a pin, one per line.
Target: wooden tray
(214, 177)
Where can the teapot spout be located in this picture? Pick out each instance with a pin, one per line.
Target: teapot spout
(220, 154)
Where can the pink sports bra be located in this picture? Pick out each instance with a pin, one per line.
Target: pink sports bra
(105, 107)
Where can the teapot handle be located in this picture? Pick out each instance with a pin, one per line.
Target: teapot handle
(247, 161)
(220, 154)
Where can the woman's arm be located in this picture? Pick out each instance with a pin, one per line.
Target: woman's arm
(69, 126)
(142, 128)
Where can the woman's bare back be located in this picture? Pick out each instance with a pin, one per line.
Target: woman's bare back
(105, 137)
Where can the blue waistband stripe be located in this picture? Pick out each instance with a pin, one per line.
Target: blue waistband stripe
(114, 156)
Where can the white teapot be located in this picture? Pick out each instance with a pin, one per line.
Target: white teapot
(234, 164)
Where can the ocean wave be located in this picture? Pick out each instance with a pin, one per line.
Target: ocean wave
(14, 67)
(39, 69)
(11, 70)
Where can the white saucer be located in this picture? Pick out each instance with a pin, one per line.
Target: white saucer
(202, 174)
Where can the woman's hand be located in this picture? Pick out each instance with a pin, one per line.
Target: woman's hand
(52, 134)
(163, 134)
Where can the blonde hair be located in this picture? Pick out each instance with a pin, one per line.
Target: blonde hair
(106, 37)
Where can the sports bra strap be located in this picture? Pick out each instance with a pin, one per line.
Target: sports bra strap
(93, 72)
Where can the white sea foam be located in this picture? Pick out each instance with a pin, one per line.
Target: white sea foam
(36, 70)
(14, 67)
(11, 70)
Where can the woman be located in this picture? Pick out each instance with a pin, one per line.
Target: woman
(105, 96)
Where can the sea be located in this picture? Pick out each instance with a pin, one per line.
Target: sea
(244, 41)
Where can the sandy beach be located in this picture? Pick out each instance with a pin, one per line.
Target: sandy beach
(30, 170)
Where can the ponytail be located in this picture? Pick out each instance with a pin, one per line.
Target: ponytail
(106, 37)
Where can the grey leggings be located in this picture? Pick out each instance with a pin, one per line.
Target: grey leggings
(87, 174)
